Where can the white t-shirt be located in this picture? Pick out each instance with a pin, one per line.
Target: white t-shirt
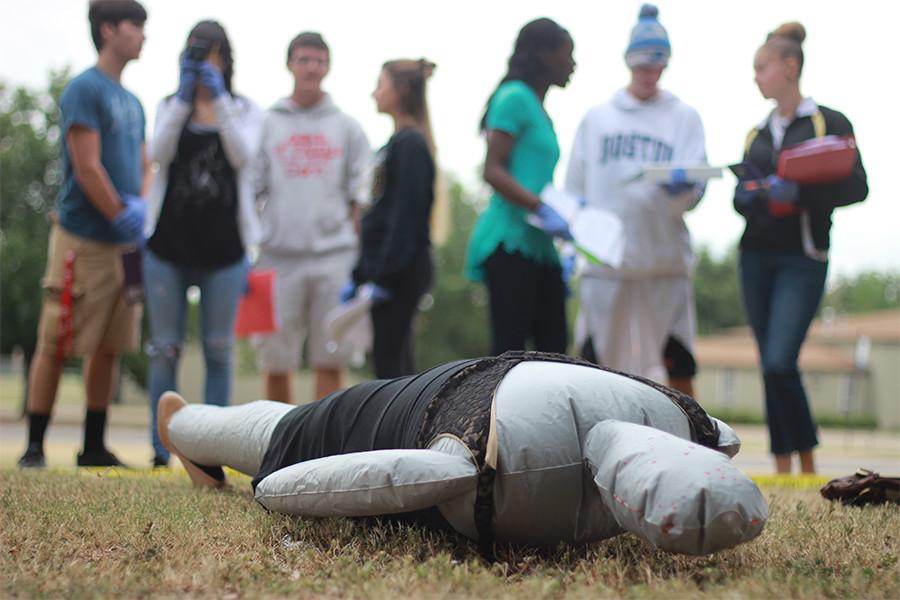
(778, 124)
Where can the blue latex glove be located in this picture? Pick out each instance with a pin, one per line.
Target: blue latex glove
(781, 190)
(348, 291)
(129, 224)
(381, 294)
(679, 183)
(676, 189)
(746, 200)
(552, 223)
(187, 83)
(212, 80)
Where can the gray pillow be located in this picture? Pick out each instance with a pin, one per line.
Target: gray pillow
(371, 483)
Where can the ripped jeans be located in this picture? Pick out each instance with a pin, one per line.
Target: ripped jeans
(166, 285)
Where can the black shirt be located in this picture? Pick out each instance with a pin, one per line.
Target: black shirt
(376, 415)
(766, 233)
(396, 228)
(198, 223)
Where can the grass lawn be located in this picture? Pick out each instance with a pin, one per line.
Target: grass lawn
(103, 534)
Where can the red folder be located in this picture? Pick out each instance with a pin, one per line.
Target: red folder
(256, 310)
(821, 160)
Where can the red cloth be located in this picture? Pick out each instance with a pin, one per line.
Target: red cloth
(64, 331)
(256, 310)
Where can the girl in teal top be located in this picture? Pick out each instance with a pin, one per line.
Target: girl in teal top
(516, 260)
(517, 111)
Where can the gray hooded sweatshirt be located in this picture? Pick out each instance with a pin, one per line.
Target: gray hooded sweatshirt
(314, 162)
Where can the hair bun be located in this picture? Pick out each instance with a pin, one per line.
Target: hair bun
(427, 67)
(792, 30)
(648, 11)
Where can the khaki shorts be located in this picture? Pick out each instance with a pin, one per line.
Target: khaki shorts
(306, 288)
(101, 318)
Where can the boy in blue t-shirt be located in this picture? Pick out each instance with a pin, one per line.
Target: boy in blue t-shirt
(101, 217)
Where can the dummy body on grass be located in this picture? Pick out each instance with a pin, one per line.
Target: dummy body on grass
(522, 448)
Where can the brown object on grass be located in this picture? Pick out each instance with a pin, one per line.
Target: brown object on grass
(863, 487)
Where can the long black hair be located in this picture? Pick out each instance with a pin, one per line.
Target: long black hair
(214, 34)
(525, 64)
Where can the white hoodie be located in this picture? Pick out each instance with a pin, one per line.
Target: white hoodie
(314, 162)
(612, 143)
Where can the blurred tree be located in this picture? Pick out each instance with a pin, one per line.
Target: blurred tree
(30, 176)
(29, 182)
(864, 292)
(718, 299)
(453, 323)
(717, 292)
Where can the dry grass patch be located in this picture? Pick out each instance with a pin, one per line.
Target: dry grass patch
(73, 535)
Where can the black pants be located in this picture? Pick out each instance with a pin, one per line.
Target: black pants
(392, 345)
(527, 301)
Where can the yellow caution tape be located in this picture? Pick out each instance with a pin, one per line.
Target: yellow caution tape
(797, 482)
(115, 472)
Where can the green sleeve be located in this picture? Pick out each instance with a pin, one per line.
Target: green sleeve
(509, 111)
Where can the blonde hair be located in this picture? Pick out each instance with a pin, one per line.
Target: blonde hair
(787, 42)
(408, 77)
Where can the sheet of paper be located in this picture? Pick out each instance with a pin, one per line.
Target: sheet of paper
(340, 320)
(597, 233)
(562, 202)
(696, 172)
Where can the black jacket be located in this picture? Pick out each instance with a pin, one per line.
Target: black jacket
(765, 233)
(396, 228)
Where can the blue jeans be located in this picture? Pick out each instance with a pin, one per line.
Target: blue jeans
(781, 294)
(166, 285)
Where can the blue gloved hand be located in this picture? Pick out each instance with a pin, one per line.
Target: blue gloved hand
(552, 223)
(679, 183)
(187, 83)
(750, 198)
(129, 223)
(212, 80)
(348, 291)
(781, 190)
(381, 294)
(676, 189)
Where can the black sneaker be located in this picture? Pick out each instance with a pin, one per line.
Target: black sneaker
(32, 459)
(159, 462)
(99, 458)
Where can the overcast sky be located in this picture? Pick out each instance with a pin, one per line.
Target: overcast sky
(713, 43)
